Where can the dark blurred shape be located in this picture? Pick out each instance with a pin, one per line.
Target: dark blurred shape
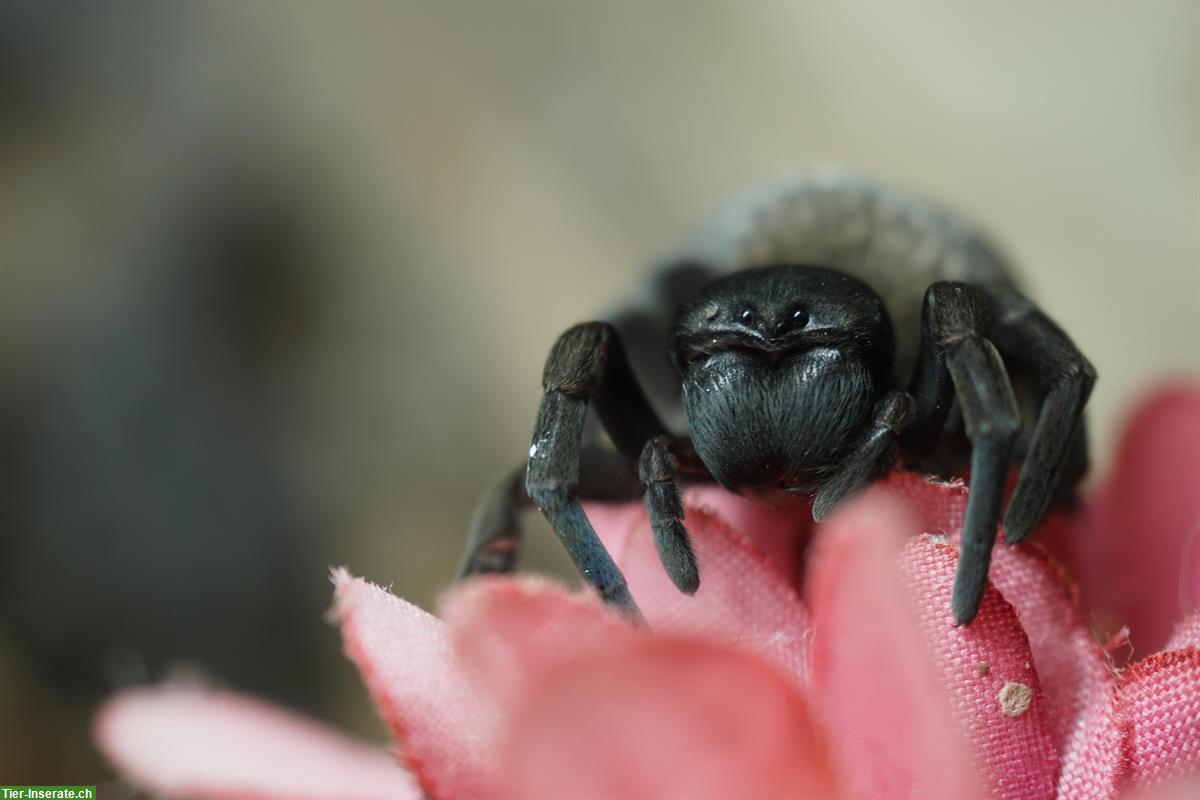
(151, 514)
(34, 39)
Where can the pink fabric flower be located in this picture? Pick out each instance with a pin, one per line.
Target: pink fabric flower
(831, 673)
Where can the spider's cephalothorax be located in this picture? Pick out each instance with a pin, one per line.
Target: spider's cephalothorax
(777, 317)
(781, 367)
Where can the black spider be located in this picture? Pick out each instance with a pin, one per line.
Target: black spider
(787, 374)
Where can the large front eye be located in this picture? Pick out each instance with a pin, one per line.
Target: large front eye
(799, 317)
(746, 316)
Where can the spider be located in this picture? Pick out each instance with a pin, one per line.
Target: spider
(815, 331)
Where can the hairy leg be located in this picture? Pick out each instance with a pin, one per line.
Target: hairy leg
(586, 365)
(957, 355)
(875, 454)
(1057, 453)
(494, 539)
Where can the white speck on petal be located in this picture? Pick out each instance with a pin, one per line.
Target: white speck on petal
(1015, 699)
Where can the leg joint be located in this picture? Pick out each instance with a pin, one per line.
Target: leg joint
(1075, 375)
(1001, 430)
(955, 311)
(548, 494)
(656, 464)
(895, 412)
(576, 362)
(1082, 369)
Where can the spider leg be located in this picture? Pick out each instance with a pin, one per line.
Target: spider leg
(662, 460)
(1058, 447)
(873, 456)
(587, 364)
(494, 540)
(955, 323)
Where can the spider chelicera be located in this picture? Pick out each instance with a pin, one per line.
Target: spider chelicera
(813, 332)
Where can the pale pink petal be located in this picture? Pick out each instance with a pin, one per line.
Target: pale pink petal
(507, 633)
(987, 668)
(1187, 633)
(405, 659)
(1160, 697)
(873, 679)
(612, 522)
(741, 600)
(1139, 553)
(659, 718)
(203, 744)
(777, 527)
(1182, 789)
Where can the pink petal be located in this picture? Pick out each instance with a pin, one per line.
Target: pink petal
(873, 679)
(1160, 696)
(405, 659)
(612, 522)
(742, 598)
(1139, 555)
(935, 506)
(507, 633)
(662, 718)
(987, 668)
(779, 528)
(1183, 789)
(177, 741)
(1187, 633)
(1077, 680)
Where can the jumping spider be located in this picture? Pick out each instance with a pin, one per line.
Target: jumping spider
(778, 320)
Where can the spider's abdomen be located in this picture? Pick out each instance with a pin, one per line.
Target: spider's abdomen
(757, 422)
(895, 242)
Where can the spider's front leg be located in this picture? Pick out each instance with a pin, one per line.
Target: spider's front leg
(494, 538)
(662, 461)
(587, 364)
(957, 355)
(873, 455)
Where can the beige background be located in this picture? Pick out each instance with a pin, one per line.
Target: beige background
(530, 159)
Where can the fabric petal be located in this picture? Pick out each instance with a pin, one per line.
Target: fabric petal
(1138, 554)
(507, 633)
(612, 522)
(1078, 682)
(1160, 697)
(204, 744)
(872, 676)
(406, 661)
(1187, 633)
(742, 599)
(1183, 789)
(663, 718)
(987, 668)
(1077, 678)
(778, 527)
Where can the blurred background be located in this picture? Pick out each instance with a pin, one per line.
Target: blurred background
(277, 280)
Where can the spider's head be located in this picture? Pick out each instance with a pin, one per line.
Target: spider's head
(781, 367)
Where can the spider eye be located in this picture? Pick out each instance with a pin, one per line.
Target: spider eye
(799, 317)
(746, 316)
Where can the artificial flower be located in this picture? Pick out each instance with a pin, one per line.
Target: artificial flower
(809, 664)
